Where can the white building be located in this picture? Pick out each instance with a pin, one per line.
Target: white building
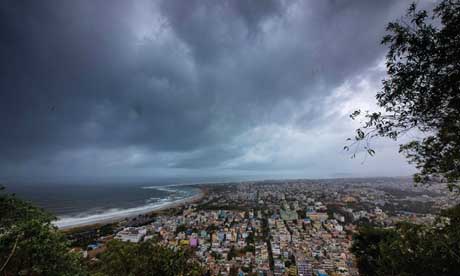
(132, 234)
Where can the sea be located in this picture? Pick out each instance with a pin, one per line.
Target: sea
(82, 204)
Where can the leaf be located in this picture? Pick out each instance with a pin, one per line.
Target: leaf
(360, 134)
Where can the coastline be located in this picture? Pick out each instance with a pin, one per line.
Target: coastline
(115, 218)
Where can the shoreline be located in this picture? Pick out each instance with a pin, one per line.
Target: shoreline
(96, 222)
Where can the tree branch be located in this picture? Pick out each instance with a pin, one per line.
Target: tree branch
(11, 254)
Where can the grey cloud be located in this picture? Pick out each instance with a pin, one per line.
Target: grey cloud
(213, 28)
(176, 78)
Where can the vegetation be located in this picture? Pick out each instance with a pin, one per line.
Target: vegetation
(30, 244)
(181, 228)
(146, 258)
(411, 249)
(421, 92)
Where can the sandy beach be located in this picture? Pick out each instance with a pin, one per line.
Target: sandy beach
(112, 216)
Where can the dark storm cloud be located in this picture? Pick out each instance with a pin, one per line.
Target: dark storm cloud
(212, 28)
(182, 79)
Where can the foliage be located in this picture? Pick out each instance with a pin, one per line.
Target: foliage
(232, 253)
(146, 258)
(30, 245)
(250, 239)
(249, 248)
(216, 255)
(411, 249)
(366, 247)
(181, 228)
(421, 92)
(107, 229)
(233, 271)
(211, 228)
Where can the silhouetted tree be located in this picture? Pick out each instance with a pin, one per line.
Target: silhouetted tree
(422, 92)
(409, 249)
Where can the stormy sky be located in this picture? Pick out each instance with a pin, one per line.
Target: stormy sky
(147, 89)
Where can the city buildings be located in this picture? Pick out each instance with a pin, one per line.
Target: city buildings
(297, 227)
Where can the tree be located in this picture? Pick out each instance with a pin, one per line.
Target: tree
(233, 271)
(421, 92)
(146, 258)
(181, 228)
(366, 248)
(30, 244)
(232, 253)
(410, 249)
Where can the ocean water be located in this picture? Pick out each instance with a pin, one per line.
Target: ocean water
(84, 204)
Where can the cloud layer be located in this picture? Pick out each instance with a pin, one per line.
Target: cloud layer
(163, 88)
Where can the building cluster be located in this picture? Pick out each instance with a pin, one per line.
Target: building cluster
(314, 244)
(221, 239)
(296, 227)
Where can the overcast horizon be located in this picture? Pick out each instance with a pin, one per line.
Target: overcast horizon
(132, 91)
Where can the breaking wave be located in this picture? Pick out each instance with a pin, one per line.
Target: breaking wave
(114, 214)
